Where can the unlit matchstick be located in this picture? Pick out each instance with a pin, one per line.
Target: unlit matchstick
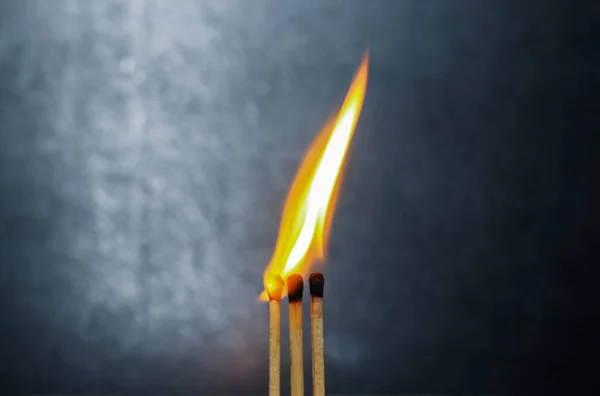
(274, 286)
(316, 282)
(295, 287)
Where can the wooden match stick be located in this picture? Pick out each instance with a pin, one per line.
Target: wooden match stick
(274, 288)
(295, 286)
(316, 282)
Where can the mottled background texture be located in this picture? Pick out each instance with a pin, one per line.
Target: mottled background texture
(146, 148)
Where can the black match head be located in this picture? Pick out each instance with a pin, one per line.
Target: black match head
(295, 287)
(316, 282)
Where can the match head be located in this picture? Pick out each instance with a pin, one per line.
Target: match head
(295, 287)
(316, 282)
(274, 286)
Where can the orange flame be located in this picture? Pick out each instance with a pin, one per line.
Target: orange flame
(310, 204)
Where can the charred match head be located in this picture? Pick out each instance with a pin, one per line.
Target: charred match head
(295, 287)
(274, 286)
(316, 282)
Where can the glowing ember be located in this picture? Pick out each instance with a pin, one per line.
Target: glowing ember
(310, 204)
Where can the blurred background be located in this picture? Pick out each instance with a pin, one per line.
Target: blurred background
(146, 149)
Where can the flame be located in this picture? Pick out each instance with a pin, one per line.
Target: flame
(310, 204)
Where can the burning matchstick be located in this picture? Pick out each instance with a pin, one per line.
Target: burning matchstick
(295, 286)
(274, 289)
(303, 234)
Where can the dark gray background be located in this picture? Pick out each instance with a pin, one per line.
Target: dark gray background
(146, 148)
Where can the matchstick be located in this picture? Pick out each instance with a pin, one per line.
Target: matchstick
(295, 286)
(274, 288)
(316, 282)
